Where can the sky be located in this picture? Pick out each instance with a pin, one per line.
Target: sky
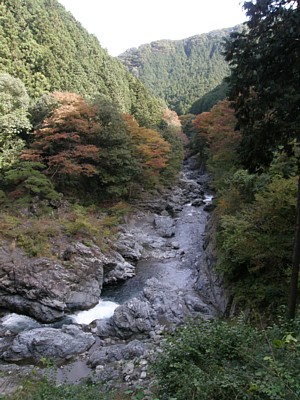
(122, 24)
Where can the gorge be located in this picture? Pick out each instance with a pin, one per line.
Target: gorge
(167, 279)
(149, 254)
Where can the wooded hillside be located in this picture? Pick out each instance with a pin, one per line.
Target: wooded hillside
(180, 71)
(44, 46)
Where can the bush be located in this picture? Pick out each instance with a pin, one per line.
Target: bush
(230, 360)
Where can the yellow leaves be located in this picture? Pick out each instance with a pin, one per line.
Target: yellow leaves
(149, 146)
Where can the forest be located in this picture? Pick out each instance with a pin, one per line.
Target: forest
(64, 101)
(181, 72)
(43, 45)
(79, 133)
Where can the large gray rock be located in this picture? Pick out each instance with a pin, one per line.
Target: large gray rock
(128, 246)
(208, 283)
(17, 323)
(165, 226)
(49, 342)
(116, 269)
(158, 304)
(44, 288)
(135, 316)
(117, 352)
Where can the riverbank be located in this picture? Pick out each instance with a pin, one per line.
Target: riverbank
(161, 245)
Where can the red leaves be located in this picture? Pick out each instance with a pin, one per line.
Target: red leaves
(65, 141)
(217, 129)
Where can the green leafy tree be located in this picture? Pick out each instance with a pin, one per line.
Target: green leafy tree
(42, 108)
(257, 243)
(265, 87)
(150, 150)
(26, 178)
(219, 360)
(206, 102)
(14, 122)
(117, 166)
(85, 146)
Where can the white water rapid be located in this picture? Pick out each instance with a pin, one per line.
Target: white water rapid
(104, 309)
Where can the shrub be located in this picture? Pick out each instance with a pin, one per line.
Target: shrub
(230, 360)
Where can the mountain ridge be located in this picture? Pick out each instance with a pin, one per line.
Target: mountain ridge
(180, 71)
(49, 50)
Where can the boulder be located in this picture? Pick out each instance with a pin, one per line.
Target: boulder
(117, 352)
(164, 226)
(133, 317)
(116, 269)
(129, 248)
(158, 304)
(49, 342)
(46, 289)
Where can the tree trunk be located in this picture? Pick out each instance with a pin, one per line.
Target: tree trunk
(296, 260)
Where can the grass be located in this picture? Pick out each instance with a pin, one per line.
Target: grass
(35, 388)
(38, 236)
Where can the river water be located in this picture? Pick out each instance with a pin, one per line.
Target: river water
(171, 260)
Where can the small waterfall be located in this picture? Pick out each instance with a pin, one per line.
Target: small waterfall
(104, 309)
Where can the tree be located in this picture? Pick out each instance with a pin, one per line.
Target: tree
(117, 165)
(27, 178)
(44, 46)
(181, 71)
(215, 139)
(14, 122)
(265, 87)
(86, 147)
(65, 142)
(256, 243)
(150, 149)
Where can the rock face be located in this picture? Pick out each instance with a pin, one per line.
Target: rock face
(116, 268)
(160, 247)
(157, 304)
(46, 290)
(207, 282)
(128, 246)
(117, 352)
(49, 342)
(164, 226)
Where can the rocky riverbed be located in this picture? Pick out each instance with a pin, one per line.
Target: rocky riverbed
(157, 272)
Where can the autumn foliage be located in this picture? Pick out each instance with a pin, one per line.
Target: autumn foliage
(217, 129)
(66, 140)
(94, 149)
(215, 137)
(151, 150)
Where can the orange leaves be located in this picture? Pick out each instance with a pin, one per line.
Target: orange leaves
(217, 129)
(65, 141)
(87, 151)
(73, 114)
(149, 147)
(75, 162)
